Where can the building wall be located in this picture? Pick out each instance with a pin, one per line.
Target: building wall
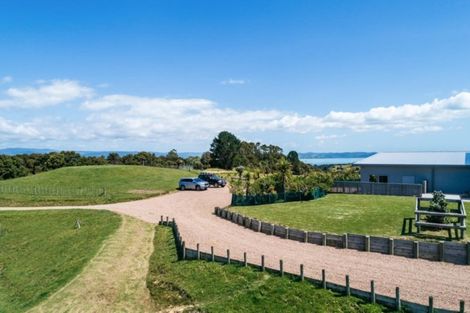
(449, 179)
(454, 179)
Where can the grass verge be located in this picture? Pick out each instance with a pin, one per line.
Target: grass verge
(83, 184)
(200, 286)
(339, 213)
(43, 250)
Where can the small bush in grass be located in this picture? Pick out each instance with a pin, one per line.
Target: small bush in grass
(438, 204)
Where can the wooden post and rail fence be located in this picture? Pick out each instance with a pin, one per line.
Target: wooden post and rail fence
(443, 251)
(185, 253)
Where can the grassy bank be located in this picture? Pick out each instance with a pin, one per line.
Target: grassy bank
(89, 185)
(339, 213)
(43, 250)
(211, 287)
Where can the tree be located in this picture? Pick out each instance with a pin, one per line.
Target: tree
(172, 155)
(239, 170)
(113, 158)
(284, 168)
(206, 158)
(293, 158)
(55, 160)
(11, 167)
(224, 149)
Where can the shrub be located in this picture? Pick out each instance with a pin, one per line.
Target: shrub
(438, 204)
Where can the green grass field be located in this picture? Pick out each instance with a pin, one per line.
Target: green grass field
(40, 251)
(202, 286)
(84, 185)
(339, 213)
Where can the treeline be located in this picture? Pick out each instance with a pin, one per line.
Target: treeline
(30, 164)
(228, 152)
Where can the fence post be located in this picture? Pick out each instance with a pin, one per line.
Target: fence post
(161, 219)
(468, 253)
(305, 236)
(323, 279)
(287, 232)
(372, 292)
(184, 250)
(397, 299)
(302, 272)
(228, 256)
(272, 229)
(348, 288)
(416, 249)
(212, 254)
(245, 262)
(367, 243)
(262, 263)
(345, 241)
(391, 246)
(323, 239)
(198, 253)
(431, 305)
(281, 267)
(441, 251)
(462, 306)
(167, 221)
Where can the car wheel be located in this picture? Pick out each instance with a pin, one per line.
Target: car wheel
(216, 185)
(182, 187)
(198, 187)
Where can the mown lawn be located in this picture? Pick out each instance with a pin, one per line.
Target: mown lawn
(339, 213)
(211, 287)
(40, 251)
(84, 185)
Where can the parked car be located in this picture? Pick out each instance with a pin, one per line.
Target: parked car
(193, 183)
(213, 179)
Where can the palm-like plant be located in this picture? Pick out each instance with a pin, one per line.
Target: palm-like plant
(284, 169)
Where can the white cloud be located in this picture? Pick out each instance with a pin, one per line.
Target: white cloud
(323, 138)
(232, 81)
(47, 94)
(126, 116)
(149, 119)
(10, 129)
(6, 79)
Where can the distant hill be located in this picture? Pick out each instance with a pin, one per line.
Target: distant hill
(15, 151)
(335, 155)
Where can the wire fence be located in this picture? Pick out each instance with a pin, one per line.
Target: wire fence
(52, 191)
(240, 200)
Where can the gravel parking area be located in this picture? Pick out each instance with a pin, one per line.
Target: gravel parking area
(193, 211)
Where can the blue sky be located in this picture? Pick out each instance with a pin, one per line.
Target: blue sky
(305, 75)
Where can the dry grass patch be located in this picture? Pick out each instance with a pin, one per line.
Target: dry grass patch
(113, 281)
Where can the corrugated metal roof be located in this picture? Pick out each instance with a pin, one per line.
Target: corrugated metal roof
(417, 158)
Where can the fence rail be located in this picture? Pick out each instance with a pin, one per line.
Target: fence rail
(185, 253)
(52, 191)
(377, 188)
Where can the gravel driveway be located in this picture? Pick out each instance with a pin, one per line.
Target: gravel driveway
(193, 211)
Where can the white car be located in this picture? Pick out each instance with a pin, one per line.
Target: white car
(193, 183)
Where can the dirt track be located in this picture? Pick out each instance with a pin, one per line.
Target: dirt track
(193, 211)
